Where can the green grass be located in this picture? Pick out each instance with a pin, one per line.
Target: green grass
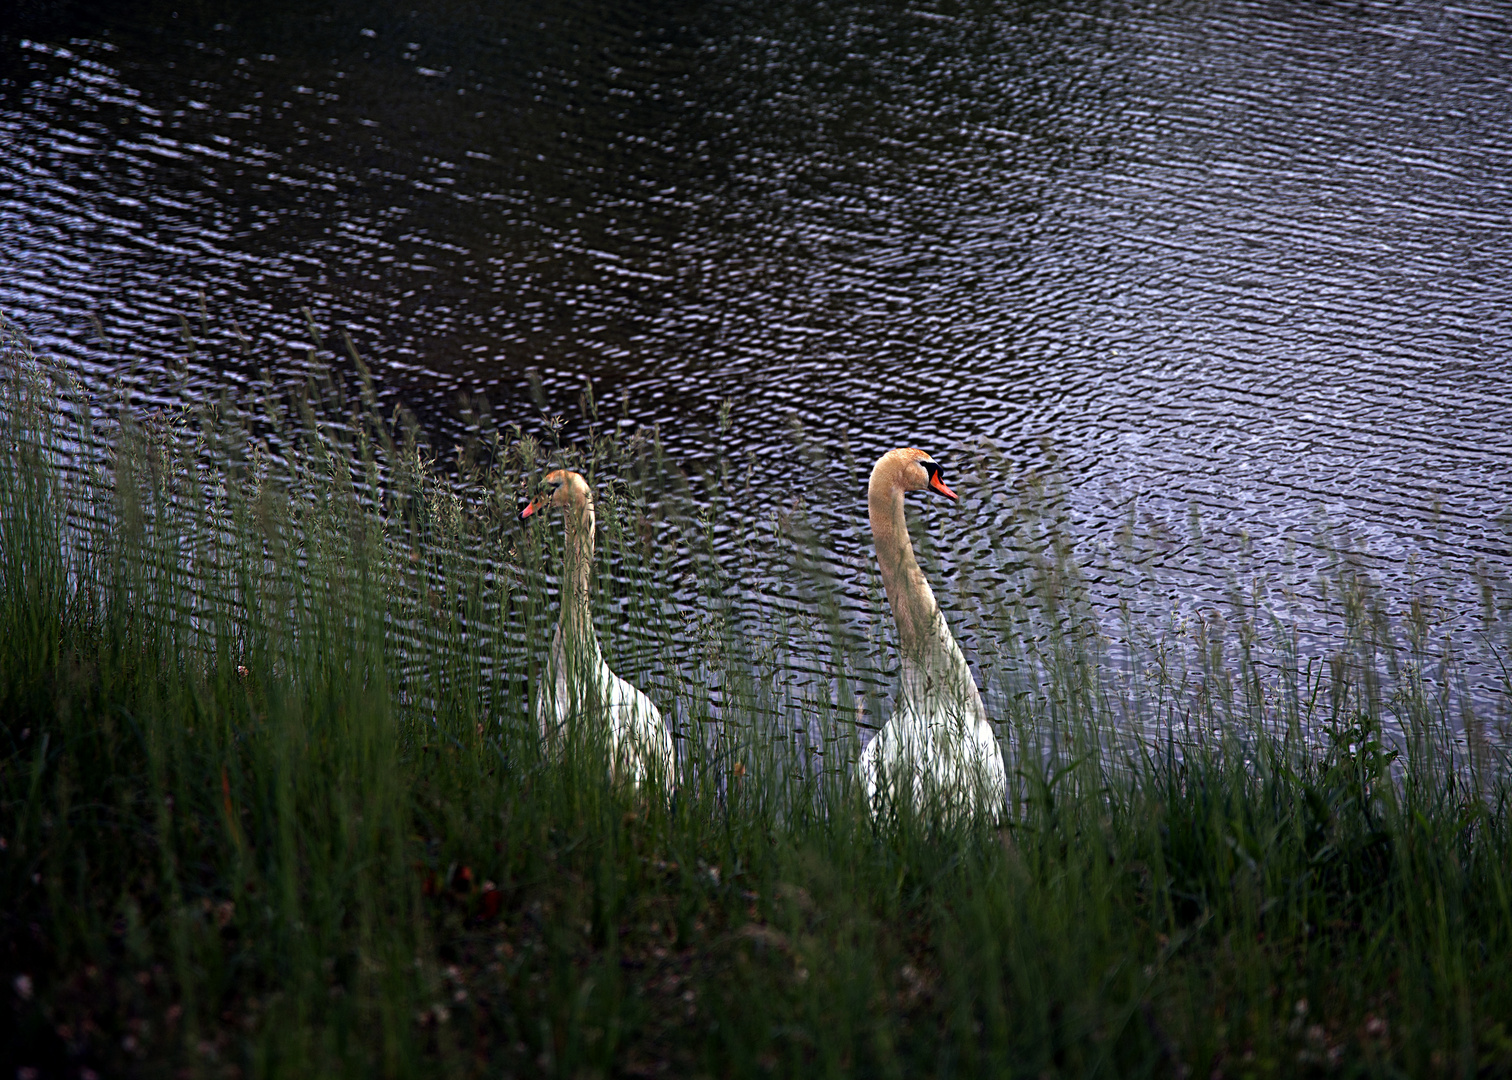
(273, 805)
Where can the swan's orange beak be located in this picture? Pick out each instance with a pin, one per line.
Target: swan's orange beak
(537, 503)
(939, 485)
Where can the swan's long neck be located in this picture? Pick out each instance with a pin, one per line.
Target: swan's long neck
(936, 679)
(913, 604)
(577, 617)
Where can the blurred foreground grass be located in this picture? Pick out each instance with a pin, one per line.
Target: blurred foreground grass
(272, 804)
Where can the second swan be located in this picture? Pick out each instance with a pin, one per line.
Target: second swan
(937, 750)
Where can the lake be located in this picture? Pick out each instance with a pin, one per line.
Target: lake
(1237, 272)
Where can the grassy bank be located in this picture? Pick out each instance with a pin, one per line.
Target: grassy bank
(272, 801)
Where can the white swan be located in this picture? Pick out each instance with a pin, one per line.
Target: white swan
(938, 734)
(578, 683)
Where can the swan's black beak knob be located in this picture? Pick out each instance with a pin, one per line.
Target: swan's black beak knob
(533, 505)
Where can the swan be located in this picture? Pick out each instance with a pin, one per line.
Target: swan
(578, 682)
(938, 733)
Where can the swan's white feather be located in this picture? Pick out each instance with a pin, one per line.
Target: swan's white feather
(937, 750)
(638, 743)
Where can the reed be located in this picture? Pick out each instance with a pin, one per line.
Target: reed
(273, 802)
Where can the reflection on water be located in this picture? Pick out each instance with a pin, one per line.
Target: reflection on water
(1246, 265)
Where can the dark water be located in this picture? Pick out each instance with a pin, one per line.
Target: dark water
(1240, 263)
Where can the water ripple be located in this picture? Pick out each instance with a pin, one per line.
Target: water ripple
(1246, 265)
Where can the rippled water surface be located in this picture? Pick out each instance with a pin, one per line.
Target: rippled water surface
(1234, 268)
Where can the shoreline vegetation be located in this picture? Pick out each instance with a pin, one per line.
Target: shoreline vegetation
(272, 799)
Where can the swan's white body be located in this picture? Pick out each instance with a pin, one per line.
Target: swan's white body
(578, 684)
(938, 749)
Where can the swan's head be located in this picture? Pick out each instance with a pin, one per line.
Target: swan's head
(564, 488)
(910, 470)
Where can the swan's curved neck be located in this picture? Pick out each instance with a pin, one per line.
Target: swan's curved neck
(913, 603)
